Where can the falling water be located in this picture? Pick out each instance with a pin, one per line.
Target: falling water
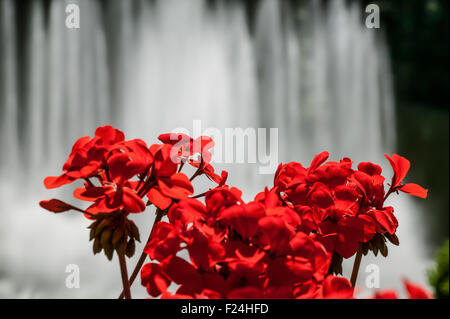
(8, 90)
(315, 73)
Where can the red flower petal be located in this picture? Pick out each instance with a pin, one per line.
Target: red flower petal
(158, 199)
(164, 165)
(183, 273)
(109, 134)
(91, 194)
(243, 218)
(186, 211)
(337, 288)
(416, 291)
(321, 196)
(388, 294)
(132, 203)
(414, 190)
(282, 271)
(205, 250)
(370, 168)
(401, 166)
(385, 218)
(154, 278)
(318, 160)
(276, 233)
(223, 178)
(163, 243)
(122, 168)
(177, 186)
(174, 138)
(52, 182)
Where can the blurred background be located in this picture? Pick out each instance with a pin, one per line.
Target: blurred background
(310, 68)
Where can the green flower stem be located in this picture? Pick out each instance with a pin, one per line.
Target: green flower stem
(356, 265)
(137, 269)
(124, 273)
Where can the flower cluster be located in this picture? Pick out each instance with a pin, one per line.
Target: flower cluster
(122, 177)
(288, 242)
(342, 207)
(237, 250)
(283, 244)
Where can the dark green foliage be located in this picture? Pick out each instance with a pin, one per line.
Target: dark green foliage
(438, 277)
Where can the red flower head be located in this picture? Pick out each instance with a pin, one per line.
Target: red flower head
(340, 206)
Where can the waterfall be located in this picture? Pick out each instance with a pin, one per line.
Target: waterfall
(8, 92)
(316, 73)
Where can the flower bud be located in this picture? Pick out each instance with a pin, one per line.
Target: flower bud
(114, 232)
